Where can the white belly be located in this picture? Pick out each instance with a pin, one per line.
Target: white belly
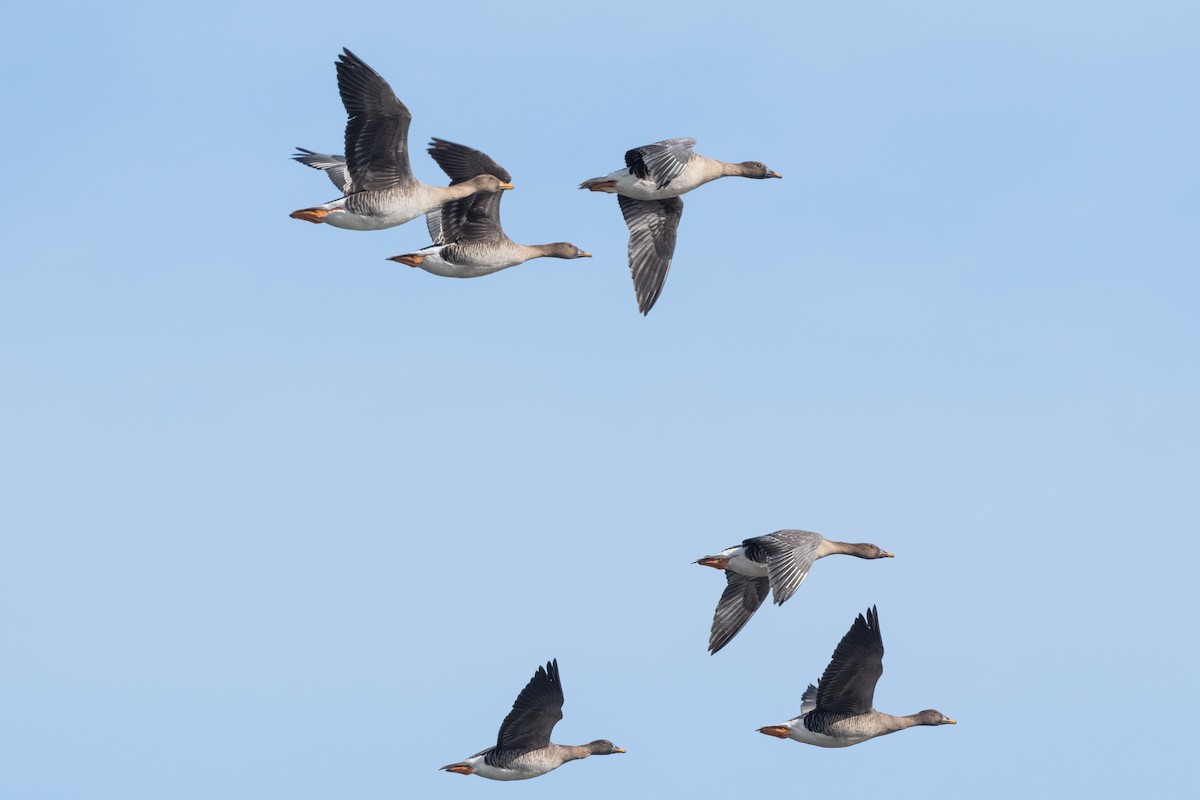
(358, 222)
(803, 734)
(374, 211)
(434, 263)
(744, 566)
(517, 772)
(497, 774)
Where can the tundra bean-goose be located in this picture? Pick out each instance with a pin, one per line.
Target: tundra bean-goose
(778, 562)
(378, 184)
(467, 238)
(648, 191)
(838, 711)
(523, 748)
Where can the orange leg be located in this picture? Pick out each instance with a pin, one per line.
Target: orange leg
(778, 731)
(602, 187)
(411, 259)
(461, 769)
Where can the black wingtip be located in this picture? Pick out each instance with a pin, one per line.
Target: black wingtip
(348, 60)
(871, 619)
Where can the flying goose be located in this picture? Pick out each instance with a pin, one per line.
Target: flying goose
(648, 192)
(467, 238)
(778, 562)
(838, 711)
(523, 748)
(377, 181)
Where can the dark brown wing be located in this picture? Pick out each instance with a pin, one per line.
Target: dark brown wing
(376, 127)
(537, 710)
(848, 685)
(475, 218)
(462, 163)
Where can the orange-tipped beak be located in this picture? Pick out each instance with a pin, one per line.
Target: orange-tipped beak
(507, 186)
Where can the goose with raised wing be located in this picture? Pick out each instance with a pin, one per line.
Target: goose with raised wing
(839, 711)
(648, 191)
(777, 563)
(377, 180)
(467, 238)
(523, 748)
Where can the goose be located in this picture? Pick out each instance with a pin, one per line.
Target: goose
(523, 748)
(467, 238)
(778, 562)
(838, 711)
(377, 181)
(648, 191)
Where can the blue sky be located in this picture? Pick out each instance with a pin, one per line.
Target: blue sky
(283, 519)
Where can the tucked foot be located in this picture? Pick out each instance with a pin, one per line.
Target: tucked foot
(716, 562)
(314, 215)
(411, 259)
(603, 186)
(778, 731)
(461, 769)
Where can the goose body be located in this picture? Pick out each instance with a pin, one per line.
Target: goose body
(839, 711)
(696, 170)
(468, 239)
(374, 211)
(472, 260)
(376, 179)
(776, 563)
(523, 748)
(648, 191)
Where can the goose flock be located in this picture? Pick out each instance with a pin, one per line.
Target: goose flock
(379, 191)
(463, 219)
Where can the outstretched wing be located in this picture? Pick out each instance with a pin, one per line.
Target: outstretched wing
(475, 218)
(742, 597)
(462, 163)
(376, 127)
(809, 701)
(534, 714)
(652, 228)
(660, 162)
(789, 556)
(848, 684)
(333, 166)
